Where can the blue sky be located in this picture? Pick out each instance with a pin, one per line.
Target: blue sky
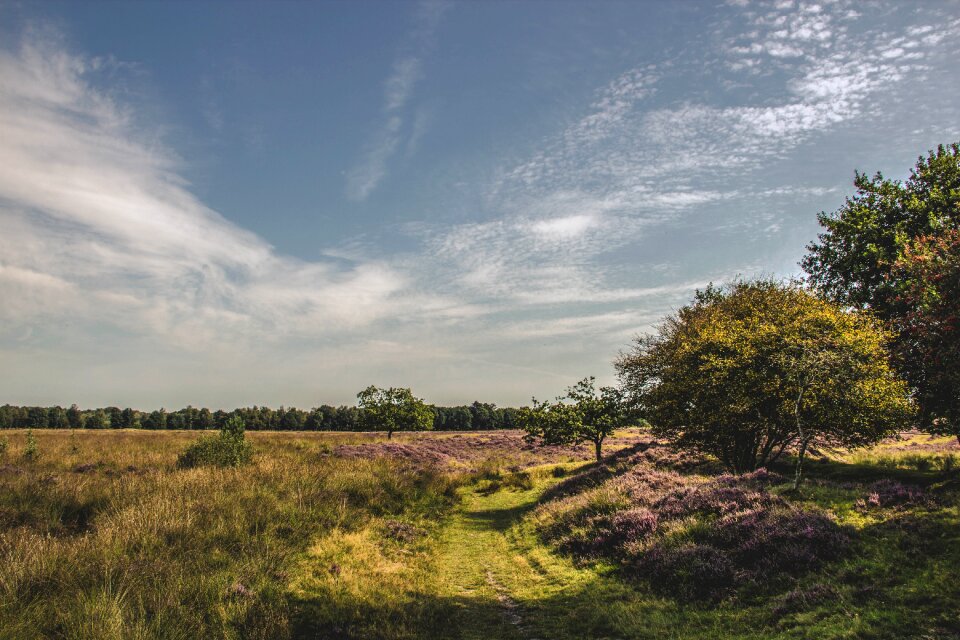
(226, 204)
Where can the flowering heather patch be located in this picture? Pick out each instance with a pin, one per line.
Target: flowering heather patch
(625, 528)
(767, 541)
(469, 450)
(888, 493)
(689, 537)
(688, 571)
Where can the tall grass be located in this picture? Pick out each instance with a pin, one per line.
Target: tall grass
(104, 537)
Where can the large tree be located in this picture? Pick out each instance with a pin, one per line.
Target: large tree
(393, 409)
(752, 369)
(928, 344)
(584, 414)
(854, 257)
(864, 259)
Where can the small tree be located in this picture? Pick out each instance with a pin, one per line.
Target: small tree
(393, 409)
(747, 371)
(32, 450)
(582, 415)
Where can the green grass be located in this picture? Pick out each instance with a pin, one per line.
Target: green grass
(101, 536)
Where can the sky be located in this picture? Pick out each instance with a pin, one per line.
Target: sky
(229, 204)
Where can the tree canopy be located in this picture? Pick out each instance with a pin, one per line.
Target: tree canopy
(748, 370)
(584, 414)
(891, 249)
(854, 257)
(393, 409)
(928, 344)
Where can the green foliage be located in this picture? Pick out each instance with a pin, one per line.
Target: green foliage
(3, 446)
(582, 415)
(32, 450)
(853, 258)
(928, 328)
(229, 449)
(894, 248)
(754, 368)
(393, 409)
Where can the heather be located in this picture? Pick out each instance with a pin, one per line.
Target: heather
(468, 535)
(689, 536)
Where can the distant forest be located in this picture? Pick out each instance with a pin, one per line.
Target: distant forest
(478, 416)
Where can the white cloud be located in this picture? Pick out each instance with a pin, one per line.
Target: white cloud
(94, 218)
(371, 168)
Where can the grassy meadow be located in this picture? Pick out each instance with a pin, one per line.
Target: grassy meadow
(470, 535)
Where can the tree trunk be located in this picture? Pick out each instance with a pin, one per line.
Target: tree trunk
(597, 444)
(389, 435)
(798, 476)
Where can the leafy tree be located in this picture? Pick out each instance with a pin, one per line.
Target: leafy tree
(393, 409)
(888, 249)
(747, 371)
(582, 415)
(155, 420)
(928, 344)
(855, 255)
(97, 419)
(314, 421)
(74, 417)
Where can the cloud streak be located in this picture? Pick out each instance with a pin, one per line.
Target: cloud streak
(94, 219)
(407, 71)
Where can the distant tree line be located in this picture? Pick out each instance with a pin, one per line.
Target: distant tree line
(479, 416)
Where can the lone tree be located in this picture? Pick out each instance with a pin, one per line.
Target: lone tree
(888, 249)
(928, 344)
(582, 415)
(751, 369)
(393, 409)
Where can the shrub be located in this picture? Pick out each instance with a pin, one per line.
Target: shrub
(229, 449)
(768, 542)
(690, 540)
(32, 450)
(3, 446)
(688, 572)
(630, 527)
(887, 493)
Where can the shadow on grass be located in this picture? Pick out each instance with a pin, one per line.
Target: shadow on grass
(839, 471)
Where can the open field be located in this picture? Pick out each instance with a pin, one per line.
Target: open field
(472, 535)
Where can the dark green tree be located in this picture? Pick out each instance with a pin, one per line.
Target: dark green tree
(582, 415)
(928, 331)
(393, 409)
(863, 260)
(855, 255)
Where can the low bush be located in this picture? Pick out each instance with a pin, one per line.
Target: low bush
(229, 449)
(32, 450)
(688, 572)
(689, 538)
(889, 493)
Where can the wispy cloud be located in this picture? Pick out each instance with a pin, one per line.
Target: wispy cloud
(407, 71)
(584, 236)
(639, 157)
(95, 217)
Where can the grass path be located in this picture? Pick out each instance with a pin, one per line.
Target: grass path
(505, 583)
